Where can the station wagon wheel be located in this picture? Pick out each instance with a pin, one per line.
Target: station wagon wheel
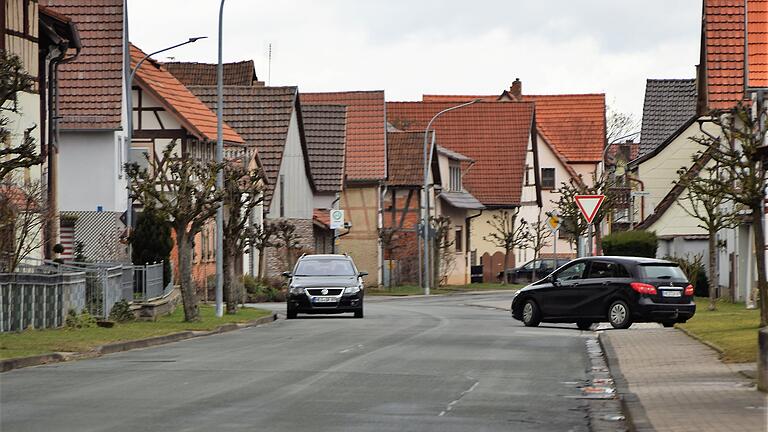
(531, 314)
(619, 315)
(584, 325)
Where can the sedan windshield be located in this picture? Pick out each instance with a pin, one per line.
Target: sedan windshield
(325, 267)
(656, 271)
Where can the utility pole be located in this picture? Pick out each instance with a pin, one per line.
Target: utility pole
(220, 174)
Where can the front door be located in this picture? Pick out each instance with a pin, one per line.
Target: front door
(565, 290)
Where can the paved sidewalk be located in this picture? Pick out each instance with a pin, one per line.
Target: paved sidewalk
(674, 383)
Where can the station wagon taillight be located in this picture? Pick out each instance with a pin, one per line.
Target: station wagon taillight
(689, 290)
(643, 288)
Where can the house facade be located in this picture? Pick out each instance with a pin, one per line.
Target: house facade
(91, 133)
(365, 170)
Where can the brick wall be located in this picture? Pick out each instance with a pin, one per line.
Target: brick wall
(275, 260)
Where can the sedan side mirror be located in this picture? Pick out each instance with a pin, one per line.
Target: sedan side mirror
(553, 279)
(287, 274)
(361, 274)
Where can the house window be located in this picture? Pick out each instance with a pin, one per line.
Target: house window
(527, 175)
(547, 178)
(459, 239)
(282, 195)
(139, 156)
(455, 176)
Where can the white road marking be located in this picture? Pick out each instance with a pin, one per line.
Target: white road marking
(449, 407)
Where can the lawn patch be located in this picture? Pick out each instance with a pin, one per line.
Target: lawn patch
(731, 327)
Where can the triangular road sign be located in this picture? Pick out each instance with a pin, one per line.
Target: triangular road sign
(589, 205)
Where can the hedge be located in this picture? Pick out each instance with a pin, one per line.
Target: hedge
(631, 243)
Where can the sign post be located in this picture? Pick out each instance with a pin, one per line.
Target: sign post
(553, 222)
(589, 205)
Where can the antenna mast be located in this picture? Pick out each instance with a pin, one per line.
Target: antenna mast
(269, 67)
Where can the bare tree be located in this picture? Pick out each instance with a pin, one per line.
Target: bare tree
(288, 240)
(508, 234)
(443, 251)
(242, 193)
(742, 175)
(184, 189)
(263, 237)
(539, 233)
(389, 243)
(14, 80)
(23, 215)
(709, 205)
(619, 125)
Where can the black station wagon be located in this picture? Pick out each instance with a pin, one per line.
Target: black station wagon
(620, 290)
(325, 284)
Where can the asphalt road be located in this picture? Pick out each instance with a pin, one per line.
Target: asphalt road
(437, 364)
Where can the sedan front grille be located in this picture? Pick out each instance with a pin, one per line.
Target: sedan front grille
(319, 291)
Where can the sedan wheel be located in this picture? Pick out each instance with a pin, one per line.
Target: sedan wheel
(531, 315)
(618, 315)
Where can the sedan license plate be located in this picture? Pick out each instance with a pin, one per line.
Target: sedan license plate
(671, 294)
(324, 299)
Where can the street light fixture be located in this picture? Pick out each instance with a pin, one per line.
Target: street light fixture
(129, 134)
(425, 190)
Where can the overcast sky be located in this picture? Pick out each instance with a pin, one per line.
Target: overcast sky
(409, 48)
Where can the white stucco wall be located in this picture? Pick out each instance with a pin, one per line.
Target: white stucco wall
(90, 173)
(298, 198)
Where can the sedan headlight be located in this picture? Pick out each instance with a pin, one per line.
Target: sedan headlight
(352, 290)
(296, 290)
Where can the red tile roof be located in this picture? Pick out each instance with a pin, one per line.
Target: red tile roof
(366, 131)
(573, 123)
(495, 135)
(405, 156)
(322, 216)
(190, 111)
(91, 87)
(757, 45)
(205, 74)
(724, 52)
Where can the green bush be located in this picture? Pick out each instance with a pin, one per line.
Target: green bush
(631, 243)
(267, 290)
(151, 241)
(82, 320)
(695, 271)
(121, 312)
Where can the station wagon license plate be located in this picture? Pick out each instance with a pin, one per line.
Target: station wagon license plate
(324, 300)
(671, 294)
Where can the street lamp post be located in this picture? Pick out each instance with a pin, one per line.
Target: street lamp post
(129, 134)
(425, 192)
(220, 173)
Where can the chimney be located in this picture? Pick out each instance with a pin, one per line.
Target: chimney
(516, 89)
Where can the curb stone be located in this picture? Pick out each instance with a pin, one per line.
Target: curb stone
(111, 348)
(637, 421)
(720, 352)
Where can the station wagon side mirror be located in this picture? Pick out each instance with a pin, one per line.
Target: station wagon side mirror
(361, 274)
(287, 274)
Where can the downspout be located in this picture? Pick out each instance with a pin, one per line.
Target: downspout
(380, 225)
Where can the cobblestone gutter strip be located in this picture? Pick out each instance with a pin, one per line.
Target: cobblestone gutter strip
(637, 421)
(38, 360)
(603, 405)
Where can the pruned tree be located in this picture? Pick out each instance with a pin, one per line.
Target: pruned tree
(14, 80)
(23, 216)
(243, 189)
(262, 237)
(443, 252)
(539, 233)
(288, 240)
(184, 190)
(508, 233)
(741, 175)
(712, 208)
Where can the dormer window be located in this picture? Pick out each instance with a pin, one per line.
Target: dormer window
(454, 172)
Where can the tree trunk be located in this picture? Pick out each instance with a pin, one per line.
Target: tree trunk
(712, 270)
(598, 240)
(507, 254)
(262, 264)
(762, 289)
(188, 292)
(230, 296)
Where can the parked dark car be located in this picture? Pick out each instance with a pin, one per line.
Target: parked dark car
(325, 284)
(620, 290)
(544, 267)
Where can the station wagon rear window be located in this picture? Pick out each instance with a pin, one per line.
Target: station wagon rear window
(662, 271)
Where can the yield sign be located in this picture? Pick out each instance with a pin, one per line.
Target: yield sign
(589, 205)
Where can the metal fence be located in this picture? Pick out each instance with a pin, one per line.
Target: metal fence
(39, 299)
(148, 282)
